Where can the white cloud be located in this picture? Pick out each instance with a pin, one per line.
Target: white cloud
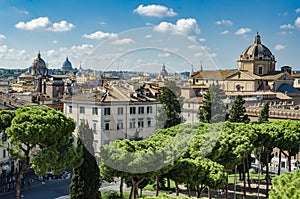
(196, 47)
(102, 23)
(21, 11)
(148, 36)
(224, 22)
(185, 26)
(279, 47)
(55, 41)
(286, 26)
(225, 32)
(3, 49)
(100, 35)
(149, 24)
(202, 39)
(38, 23)
(45, 23)
(82, 47)
(124, 41)
(154, 11)
(62, 26)
(285, 33)
(242, 31)
(297, 22)
(2, 37)
(298, 10)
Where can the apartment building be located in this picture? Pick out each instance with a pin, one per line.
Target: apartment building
(116, 112)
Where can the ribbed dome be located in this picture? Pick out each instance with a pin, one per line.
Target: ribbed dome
(257, 50)
(67, 65)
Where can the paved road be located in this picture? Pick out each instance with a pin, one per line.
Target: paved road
(54, 189)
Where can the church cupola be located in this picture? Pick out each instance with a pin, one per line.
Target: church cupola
(257, 58)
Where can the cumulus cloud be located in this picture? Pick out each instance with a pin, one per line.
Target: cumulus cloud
(38, 23)
(62, 26)
(297, 22)
(225, 32)
(224, 22)
(2, 37)
(242, 31)
(45, 23)
(154, 11)
(279, 47)
(100, 35)
(184, 26)
(286, 26)
(124, 41)
(298, 10)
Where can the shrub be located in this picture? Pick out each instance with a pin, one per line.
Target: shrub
(109, 194)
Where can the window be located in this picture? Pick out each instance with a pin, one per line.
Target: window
(189, 105)
(141, 110)
(4, 153)
(82, 109)
(106, 125)
(94, 126)
(260, 70)
(149, 122)
(106, 111)
(120, 125)
(141, 123)
(149, 109)
(120, 110)
(95, 110)
(132, 124)
(70, 109)
(132, 110)
(4, 137)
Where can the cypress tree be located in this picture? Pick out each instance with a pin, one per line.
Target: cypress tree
(237, 111)
(86, 178)
(264, 113)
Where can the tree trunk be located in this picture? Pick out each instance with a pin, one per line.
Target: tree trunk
(248, 173)
(18, 180)
(157, 185)
(244, 177)
(289, 161)
(188, 189)
(279, 162)
(168, 183)
(226, 194)
(198, 191)
(141, 192)
(132, 188)
(209, 193)
(267, 174)
(177, 188)
(121, 188)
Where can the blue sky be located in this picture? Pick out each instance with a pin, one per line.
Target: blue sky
(142, 35)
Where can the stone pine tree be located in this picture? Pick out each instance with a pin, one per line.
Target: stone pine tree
(43, 136)
(264, 113)
(237, 111)
(86, 178)
(170, 112)
(213, 108)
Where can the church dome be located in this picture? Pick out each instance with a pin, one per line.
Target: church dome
(67, 65)
(39, 66)
(257, 50)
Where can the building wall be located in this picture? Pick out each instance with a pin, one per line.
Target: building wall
(114, 125)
